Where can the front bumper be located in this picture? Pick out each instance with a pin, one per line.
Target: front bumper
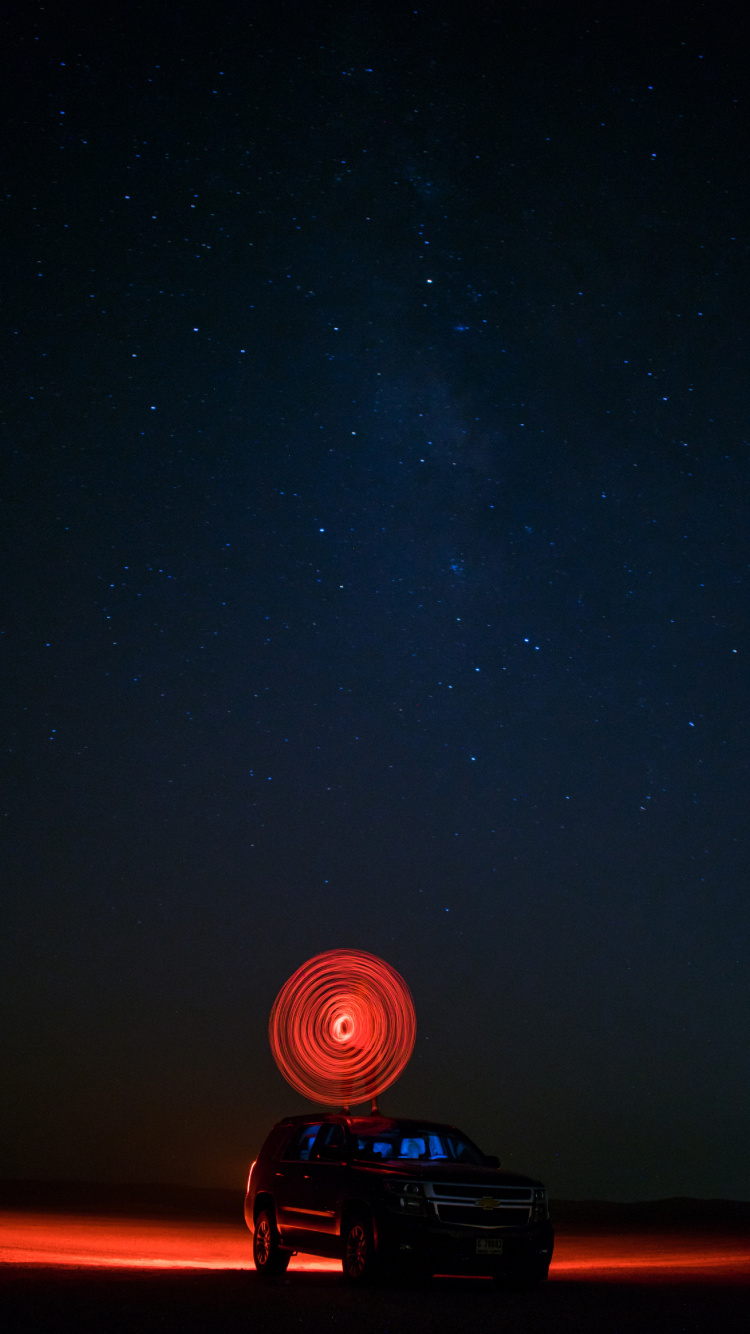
(525, 1252)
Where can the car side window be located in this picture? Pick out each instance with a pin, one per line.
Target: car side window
(330, 1145)
(301, 1143)
(275, 1141)
(412, 1148)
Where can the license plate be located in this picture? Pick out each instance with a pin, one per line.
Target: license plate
(489, 1246)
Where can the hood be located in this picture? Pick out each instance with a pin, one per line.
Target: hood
(466, 1174)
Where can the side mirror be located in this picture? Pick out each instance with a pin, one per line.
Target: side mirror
(491, 1160)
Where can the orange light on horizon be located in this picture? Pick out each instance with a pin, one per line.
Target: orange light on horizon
(85, 1242)
(102, 1242)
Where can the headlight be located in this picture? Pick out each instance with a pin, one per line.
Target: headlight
(410, 1196)
(540, 1208)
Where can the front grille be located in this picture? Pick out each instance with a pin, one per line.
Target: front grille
(476, 1217)
(504, 1193)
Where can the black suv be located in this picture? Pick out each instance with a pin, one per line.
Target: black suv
(388, 1196)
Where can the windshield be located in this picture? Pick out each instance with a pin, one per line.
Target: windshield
(427, 1146)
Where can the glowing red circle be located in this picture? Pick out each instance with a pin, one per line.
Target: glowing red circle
(343, 1027)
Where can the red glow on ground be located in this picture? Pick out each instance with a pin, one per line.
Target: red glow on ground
(125, 1243)
(343, 1027)
(653, 1257)
(133, 1243)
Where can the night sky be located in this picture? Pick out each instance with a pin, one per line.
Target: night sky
(375, 517)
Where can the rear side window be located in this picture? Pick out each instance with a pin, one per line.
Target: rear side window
(301, 1142)
(274, 1142)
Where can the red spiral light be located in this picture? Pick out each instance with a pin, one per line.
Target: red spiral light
(343, 1027)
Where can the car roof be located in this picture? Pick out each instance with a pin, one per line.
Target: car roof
(374, 1124)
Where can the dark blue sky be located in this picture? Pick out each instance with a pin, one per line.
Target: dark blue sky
(375, 509)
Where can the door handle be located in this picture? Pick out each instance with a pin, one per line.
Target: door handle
(279, 1174)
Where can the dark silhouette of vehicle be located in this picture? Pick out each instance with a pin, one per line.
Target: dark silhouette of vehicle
(390, 1197)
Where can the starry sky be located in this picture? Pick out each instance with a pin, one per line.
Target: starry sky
(376, 561)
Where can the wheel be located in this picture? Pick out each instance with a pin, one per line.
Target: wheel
(267, 1253)
(358, 1257)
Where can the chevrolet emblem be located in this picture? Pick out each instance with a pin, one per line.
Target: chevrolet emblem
(488, 1202)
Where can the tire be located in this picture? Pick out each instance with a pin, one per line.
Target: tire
(267, 1253)
(358, 1256)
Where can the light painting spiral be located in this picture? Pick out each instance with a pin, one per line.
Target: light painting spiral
(343, 1027)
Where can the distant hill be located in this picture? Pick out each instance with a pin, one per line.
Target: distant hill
(163, 1201)
(679, 1212)
(139, 1201)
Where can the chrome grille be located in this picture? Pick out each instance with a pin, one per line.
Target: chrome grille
(508, 1194)
(484, 1218)
(465, 1205)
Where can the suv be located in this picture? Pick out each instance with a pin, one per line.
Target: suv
(387, 1196)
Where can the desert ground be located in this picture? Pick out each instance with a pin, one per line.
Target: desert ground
(98, 1259)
